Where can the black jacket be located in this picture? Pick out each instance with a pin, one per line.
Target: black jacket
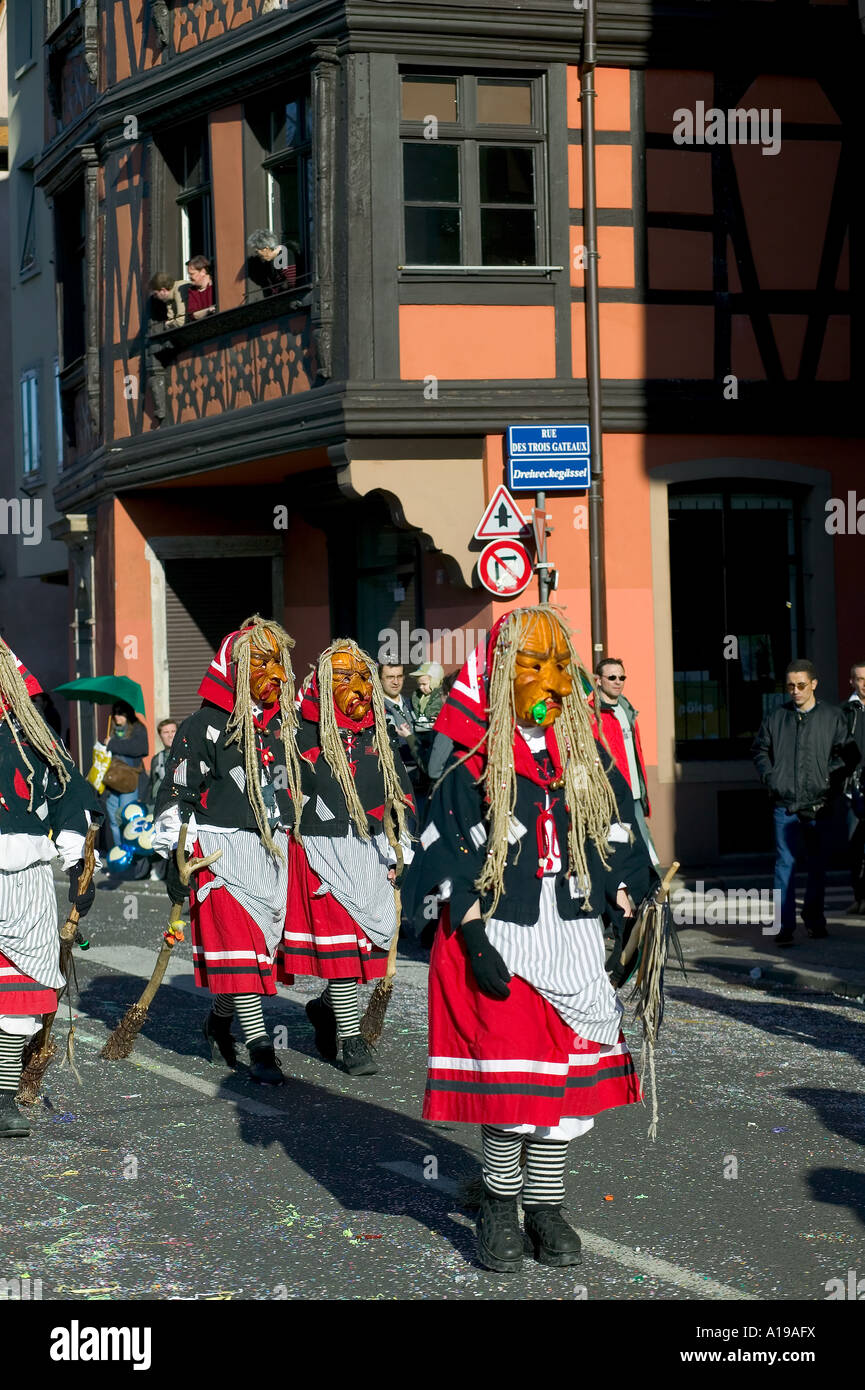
(56, 807)
(453, 846)
(205, 775)
(324, 808)
(804, 759)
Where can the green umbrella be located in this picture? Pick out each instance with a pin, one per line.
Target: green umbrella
(104, 690)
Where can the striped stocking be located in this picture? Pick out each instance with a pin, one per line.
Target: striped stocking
(249, 1011)
(501, 1161)
(11, 1051)
(342, 997)
(545, 1173)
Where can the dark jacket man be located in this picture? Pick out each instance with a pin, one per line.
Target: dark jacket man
(804, 758)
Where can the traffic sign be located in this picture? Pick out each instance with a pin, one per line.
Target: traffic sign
(504, 568)
(501, 518)
(548, 458)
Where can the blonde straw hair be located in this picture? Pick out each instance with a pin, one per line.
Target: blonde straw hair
(333, 750)
(241, 722)
(589, 798)
(19, 711)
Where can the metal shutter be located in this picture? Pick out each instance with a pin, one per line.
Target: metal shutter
(204, 600)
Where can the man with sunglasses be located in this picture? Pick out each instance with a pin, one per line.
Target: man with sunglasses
(803, 754)
(617, 720)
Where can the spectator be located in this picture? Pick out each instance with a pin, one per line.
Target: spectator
(166, 311)
(855, 712)
(198, 294)
(128, 744)
(617, 720)
(271, 271)
(166, 729)
(803, 754)
(400, 717)
(427, 701)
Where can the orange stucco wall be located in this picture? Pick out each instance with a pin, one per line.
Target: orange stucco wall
(462, 342)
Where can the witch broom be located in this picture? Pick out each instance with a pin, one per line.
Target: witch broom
(40, 1051)
(122, 1040)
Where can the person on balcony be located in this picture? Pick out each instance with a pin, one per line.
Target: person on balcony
(166, 310)
(198, 294)
(271, 265)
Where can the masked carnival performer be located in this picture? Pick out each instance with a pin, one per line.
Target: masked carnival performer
(233, 777)
(45, 809)
(528, 840)
(357, 809)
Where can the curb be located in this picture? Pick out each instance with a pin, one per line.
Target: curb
(851, 986)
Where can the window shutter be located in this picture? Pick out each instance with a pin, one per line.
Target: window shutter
(205, 600)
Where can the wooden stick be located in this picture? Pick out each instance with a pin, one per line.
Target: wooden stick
(40, 1050)
(659, 896)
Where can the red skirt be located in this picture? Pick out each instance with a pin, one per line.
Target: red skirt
(19, 994)
(512, 1061)
(321, 938)
(229, 951)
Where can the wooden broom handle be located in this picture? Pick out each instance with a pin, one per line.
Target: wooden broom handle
(667, 881)
(67, 931)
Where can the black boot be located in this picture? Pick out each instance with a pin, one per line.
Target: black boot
(357, 1057)
(12, 1123)
(218, 1035)
(263, 1066)
(323, 1020)
(549, 1237)
(500, 1240)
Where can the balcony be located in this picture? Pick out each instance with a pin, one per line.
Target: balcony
(234, 359)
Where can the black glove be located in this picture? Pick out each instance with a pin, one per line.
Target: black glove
(85, 901)
(178, 891)
(489, 969)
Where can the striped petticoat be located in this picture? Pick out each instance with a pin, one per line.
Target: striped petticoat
(229, 951)
(19, 994)
(321, 938)
(512, 1061)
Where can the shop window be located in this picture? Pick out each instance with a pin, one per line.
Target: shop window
(375, 576)
(735, 576)
(473, 171)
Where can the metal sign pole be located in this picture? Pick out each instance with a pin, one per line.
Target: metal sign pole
(541, 564)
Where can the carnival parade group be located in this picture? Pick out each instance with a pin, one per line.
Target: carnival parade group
(299, 803)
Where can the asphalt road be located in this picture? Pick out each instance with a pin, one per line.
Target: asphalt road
(165, 1177)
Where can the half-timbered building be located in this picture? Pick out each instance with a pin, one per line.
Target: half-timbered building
(326, 442)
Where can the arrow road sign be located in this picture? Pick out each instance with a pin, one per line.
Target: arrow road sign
(505, 568)
(501, 518)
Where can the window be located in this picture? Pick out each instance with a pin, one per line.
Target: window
(473, 170)
(27, 219)
(735, 572)
(187, 203)
(30, 421)
(58, 415)
(65, 7)
(70, 231)
(280, 129)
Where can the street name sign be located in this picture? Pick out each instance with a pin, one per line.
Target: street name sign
(548, 458)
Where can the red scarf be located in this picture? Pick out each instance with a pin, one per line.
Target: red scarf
(219, 685)
(464, 716)
(310, 707)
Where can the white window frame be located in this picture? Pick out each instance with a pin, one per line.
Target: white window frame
(29, 396)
